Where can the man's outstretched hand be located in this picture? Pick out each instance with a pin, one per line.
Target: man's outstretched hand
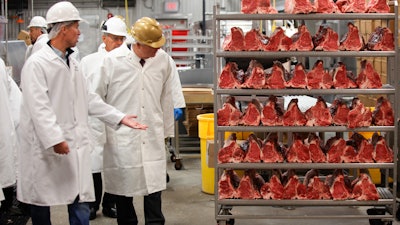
(129, 121)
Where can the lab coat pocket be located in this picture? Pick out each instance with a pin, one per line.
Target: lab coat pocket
(129, 148)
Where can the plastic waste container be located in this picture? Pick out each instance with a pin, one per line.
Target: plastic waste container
(206, 132)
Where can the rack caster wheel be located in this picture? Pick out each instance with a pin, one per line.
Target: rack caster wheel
(172, 157)
(178, 164)
(229, 222)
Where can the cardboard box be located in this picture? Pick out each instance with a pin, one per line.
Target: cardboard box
(24, 35)
(210, 154)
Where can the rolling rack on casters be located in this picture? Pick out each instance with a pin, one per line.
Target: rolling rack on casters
(172, 145)
(225, 212)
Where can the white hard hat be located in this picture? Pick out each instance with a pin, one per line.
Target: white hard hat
(38, 21)
(115, 26)
(62, 12)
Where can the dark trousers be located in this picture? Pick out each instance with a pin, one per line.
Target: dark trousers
(78, 214)
(152, 210)
(108, 199)
(8, 199)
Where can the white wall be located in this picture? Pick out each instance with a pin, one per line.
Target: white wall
(91, 33)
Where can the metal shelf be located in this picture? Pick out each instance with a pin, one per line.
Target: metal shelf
(315, 16)
(288, 54)
(261, 202)
(305, 129)
(189, 45)
(386, 90)
(286, 165)
(387, 198)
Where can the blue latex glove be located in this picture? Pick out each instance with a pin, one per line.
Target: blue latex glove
(178, 113)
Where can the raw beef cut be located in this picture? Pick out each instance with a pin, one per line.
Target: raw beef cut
(381, 39)
(264, 7)
(382, 152)
(319, 114)
(252, 148)
(339, 186)
(326, 6)
(249, 6)
(234, 41)
(364, 189)
(326, 39)
(351, 6)
(276, 80)
(352, 40)
(252, 115)
(225, 154)
(378, 6)
(298, 78)
(334, 149)
(349, 153)
(318, 77)
(302, 40)
(342, 78)
(271, 151)
(293, 116)
(231, 77)
(227, 184)
(364, 148)
(294, 189)
(249, 186)
(298, 151)
(272, 113)
(339, 112)
(272, 189)
(359, 115)
(278, 41)
(316, 189)
(383, 114)
(229, 114)
(257, 6)
(254, 40)
(368, 78)
(299, 7)
(315, 146)
(238, 155)
(254, 76)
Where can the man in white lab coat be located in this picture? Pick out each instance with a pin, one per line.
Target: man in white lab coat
(10, 100)
(38, 35)
(114, 33)
(139, 81)
(54, 164)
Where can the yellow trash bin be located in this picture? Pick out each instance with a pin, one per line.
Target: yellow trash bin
(206, 132)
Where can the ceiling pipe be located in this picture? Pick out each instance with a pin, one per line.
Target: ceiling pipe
(203, 30)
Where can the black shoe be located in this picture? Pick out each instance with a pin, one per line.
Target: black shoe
(110, 212)
(92, 214)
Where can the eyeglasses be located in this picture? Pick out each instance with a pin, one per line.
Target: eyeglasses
(116, 38)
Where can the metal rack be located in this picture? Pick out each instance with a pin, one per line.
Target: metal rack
(188, 50)
(223, 214)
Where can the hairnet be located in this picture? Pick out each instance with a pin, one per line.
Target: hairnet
(55, 28)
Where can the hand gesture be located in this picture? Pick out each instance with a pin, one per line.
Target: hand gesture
(61, 148)
(128, 121)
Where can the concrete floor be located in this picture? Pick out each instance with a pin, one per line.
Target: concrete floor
(184, 203)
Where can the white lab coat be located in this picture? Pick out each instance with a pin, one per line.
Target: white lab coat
(10, 99)
(55, 108)
(1, 195)
(40, 42)
(135, 160)
(90, 66)
(177, 94)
